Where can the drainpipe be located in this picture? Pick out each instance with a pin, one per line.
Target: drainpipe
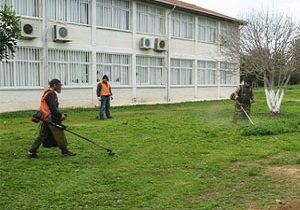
(168, 26)
(45, 46)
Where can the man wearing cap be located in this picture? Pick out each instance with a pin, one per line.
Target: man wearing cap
(243, 96)
(104, 95)
(49, 134)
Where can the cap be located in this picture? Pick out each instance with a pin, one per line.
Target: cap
(105, 77)
(55, 82)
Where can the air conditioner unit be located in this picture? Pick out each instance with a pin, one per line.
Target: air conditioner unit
(160, 44)
(145, 43)
(29, 29)
(61, 34)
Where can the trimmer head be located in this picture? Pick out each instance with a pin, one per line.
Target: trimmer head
(110, 152)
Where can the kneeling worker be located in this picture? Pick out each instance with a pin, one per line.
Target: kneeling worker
(49, 134)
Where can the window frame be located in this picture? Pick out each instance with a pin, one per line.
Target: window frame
(149, 14)
(18, 6)
(228, 69)
(182, 19)
(208, 30)
(112, 8)
(12, 67)
(112, 66)
(209, 70)
(67, 66)
(53, 12)
(148, 67)
(189, 71)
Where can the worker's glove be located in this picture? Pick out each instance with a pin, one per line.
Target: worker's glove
(99, 98)
(111, 98)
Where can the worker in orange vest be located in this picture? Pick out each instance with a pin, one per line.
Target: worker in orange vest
(50, 135)
(104, 95)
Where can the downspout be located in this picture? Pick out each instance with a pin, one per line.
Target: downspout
(45, 46)
(168, 25)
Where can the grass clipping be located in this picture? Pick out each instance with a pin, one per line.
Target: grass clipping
(270, 128)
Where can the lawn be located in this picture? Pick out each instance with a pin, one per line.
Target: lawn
(174, 156)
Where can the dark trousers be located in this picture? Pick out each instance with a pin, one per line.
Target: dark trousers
(50, 131)
(239, 113)
(105, 107)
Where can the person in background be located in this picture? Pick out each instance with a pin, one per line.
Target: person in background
(104, 95)
(244, 97)
(49, 135)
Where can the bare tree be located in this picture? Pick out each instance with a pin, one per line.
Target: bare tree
(267, 50)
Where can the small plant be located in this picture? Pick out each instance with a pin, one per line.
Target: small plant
(253, 171)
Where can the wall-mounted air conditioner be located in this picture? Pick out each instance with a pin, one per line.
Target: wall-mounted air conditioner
(29, 29)
(160, 44)
(61, 34)
(145, 43)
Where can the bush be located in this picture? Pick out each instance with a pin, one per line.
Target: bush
(269, 128)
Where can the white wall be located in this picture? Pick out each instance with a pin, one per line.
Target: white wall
(115, 41)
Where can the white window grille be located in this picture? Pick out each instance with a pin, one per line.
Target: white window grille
(181, 71)
(113, 13)
(23, 7)
(149, 71)
(207, 72)
(228, 73)
(150, 19)
(71, 67)
(76, 11)
(182, 25)
(115, 66)
(207, 30)
(23, 70)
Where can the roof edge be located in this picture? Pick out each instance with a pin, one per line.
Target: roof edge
(195, 8)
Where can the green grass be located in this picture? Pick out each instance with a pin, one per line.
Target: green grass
(177, 156)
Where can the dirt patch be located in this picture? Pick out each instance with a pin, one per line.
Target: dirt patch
(293, 205)
(281, 205)
(290, 171)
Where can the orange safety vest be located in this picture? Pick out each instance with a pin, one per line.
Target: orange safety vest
(105, 89)
(44, 108)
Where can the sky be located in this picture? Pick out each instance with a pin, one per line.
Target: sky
(235, 8)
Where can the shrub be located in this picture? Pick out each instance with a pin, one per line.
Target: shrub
(269, 128)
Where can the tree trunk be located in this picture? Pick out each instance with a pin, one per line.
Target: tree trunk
(274, 99)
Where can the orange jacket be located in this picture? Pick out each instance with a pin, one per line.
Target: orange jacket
(105, 89)
(44, 108)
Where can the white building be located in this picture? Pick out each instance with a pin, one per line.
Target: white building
(154, 51)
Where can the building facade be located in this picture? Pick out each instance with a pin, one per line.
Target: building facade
(154, 51)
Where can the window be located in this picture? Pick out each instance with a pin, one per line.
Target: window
(149, 70)
(150, 20)
(75, 11)
(71, 67)
(207, 30)
(22, 70)
(182, 71)
(207, 72)
(229, 33)
(113, 13)
(115, 66)
(228, 73)
(23, 7)
(182, 25)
